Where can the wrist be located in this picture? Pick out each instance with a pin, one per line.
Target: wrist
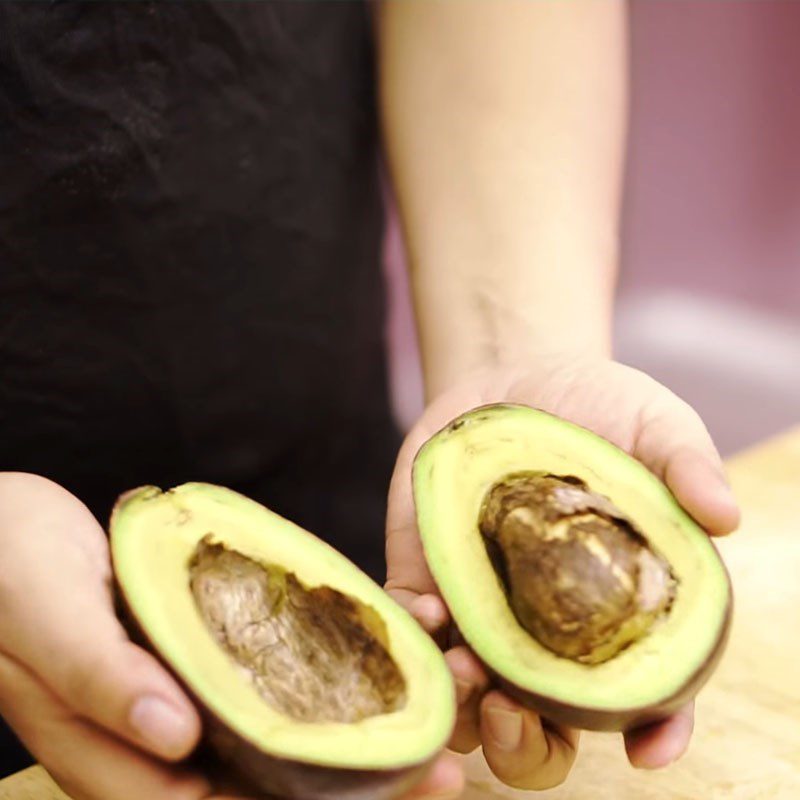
(472, 319)
(505, 364)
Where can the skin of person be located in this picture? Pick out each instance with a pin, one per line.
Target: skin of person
(504, 126)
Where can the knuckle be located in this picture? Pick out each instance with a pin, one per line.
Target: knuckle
(81, 681)
(78, 682)
(97, 680)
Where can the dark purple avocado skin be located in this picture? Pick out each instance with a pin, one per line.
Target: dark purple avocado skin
(620, 720)
(268, 776)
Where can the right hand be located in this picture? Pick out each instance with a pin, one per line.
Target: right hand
(637, 414)
(98, 712)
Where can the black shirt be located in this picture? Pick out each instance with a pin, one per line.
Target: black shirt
(190, 228)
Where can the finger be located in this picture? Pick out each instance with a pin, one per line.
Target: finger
(701, 487)
(427, 609)
(520, 750)
(471, 683)
(674, 443)
(60, 623)
(87, 762)
(82, 653)
(407, 569)
(405, 558)
(658, 745)
(444, 781)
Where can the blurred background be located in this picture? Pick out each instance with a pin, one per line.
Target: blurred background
(709, 299)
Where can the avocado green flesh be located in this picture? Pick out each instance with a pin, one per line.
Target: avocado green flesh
(453, 473)
(154, 538)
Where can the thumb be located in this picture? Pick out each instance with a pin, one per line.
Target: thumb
(407, 571)
(83, 655)
(674, 443)
(409, 580)
(124, 689)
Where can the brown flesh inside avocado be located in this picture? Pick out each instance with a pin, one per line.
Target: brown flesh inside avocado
(581, 579)
(316, 655)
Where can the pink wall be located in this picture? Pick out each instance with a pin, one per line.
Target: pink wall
(713, 184)
(714, 174)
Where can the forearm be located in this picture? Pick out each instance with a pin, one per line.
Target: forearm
(504, 127)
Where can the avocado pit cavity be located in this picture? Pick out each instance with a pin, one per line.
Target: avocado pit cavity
(580, 578)
(314, 654)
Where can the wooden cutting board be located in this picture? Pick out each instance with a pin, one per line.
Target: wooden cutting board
(747, 741)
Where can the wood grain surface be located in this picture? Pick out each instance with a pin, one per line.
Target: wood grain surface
(747, 740)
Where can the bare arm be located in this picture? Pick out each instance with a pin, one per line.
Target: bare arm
(504, 125)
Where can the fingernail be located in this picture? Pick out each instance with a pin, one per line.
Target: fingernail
(463, 691)
(505, 727)
(161, 725)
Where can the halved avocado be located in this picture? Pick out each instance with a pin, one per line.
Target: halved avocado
(311, 681)
(569, 568)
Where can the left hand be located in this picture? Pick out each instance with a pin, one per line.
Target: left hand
(101, 715)
(638, 415)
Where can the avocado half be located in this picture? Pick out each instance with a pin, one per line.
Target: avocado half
(569, 568)
(312, 682)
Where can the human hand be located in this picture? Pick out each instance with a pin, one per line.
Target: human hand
(101, 714)
(635, 413)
